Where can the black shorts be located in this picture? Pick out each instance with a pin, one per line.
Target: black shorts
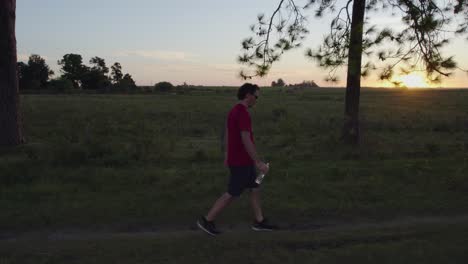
(242, 177)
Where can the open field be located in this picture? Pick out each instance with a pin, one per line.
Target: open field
(149, 163)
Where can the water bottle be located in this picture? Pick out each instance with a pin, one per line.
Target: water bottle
(260, 176)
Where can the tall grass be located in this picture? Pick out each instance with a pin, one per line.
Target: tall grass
(124, 161)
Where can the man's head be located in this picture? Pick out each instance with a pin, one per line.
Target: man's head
(248, 93)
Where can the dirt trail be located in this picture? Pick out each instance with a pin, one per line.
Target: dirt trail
(64, 235)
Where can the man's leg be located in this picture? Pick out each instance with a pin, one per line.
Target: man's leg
(260, 224)
(255, 202)
(219, 205)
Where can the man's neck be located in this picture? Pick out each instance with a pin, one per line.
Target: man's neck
(244, 103)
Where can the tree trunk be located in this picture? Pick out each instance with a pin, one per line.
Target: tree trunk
(10, 121)
(351, 131)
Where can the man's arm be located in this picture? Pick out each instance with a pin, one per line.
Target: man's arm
(250, 147)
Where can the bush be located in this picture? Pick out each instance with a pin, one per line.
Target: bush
(60, 85)
(163, 86)
(124, 86)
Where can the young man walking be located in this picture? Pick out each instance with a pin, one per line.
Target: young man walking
(242, 159)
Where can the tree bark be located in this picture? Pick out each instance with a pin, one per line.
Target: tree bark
(351, 133)
(10, 121)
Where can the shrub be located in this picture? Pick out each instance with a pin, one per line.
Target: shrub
(60, 85)
(279, 83)
(163, 86)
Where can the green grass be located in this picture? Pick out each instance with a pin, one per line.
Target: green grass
(126, 161)
(153, 162)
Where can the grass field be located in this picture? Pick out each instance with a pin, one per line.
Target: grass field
(140, 163)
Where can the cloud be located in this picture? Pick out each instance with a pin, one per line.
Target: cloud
(158, 54)
(23, 57)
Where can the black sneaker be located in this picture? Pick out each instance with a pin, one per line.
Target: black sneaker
(263, 226)
(208, 226)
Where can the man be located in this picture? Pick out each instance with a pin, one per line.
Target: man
(242, 159)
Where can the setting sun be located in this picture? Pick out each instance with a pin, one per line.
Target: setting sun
(413, 80)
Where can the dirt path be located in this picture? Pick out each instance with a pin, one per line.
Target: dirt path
(65, 235)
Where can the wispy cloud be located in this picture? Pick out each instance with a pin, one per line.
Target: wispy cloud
(158, 54)
(23, 57)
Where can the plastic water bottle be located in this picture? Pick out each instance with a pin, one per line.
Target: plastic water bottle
(260, 176)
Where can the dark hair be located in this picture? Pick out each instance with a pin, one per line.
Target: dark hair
(247, 88)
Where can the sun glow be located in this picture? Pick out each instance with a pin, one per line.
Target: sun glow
(412, 80)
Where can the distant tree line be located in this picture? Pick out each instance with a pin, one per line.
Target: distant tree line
(279, 83)
(35, 75)
(305, 84)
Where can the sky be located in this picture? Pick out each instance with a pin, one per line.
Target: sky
(196, 42)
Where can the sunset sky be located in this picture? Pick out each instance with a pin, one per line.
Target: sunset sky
(177, 41)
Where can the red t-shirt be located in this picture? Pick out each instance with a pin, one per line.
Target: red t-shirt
(238, 120)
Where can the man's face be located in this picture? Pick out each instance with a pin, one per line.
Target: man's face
(252, 98)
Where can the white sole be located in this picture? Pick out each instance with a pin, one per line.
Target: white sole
(260, 229)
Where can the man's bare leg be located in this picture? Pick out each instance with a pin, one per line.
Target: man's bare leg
(255, 202)
(219, 205)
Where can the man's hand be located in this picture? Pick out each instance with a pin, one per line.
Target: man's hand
(262, 167)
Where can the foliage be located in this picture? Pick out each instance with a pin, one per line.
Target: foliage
(95, 77)
(73, 68)
(279, 83)
(163, 86)
(125, 84)
(305, 84)
(116, 73)
(261, 51)
(128, 81)
(461, 8)
(428, 28)
(60, 85)
(99, 65)
(35, 74)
